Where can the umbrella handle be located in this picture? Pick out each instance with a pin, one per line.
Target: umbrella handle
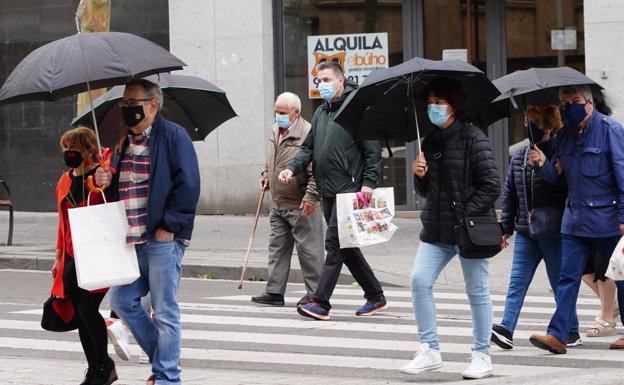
(91, 180)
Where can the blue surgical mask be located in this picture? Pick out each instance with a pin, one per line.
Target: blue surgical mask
(437, 113)
(535, 133)
(282, 121)
(574, 113)
(327, 90)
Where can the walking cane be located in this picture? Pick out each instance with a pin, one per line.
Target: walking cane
(253, 234)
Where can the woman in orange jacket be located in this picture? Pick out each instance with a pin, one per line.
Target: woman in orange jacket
(79, 147)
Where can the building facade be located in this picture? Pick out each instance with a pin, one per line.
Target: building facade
(256, 49)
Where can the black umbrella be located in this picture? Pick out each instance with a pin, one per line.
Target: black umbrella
(526, 87)
(84, 61)
(385, 105)
(192, 102)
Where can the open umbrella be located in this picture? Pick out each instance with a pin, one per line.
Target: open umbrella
(83, 61)
(192, 102)
(385, 105)
(525, 87)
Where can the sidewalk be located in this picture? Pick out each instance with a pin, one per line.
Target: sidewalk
(219, 243)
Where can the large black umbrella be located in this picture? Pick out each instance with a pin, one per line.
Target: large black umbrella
(389, 105)
(84, 61)
(192, 102)
(525, 87)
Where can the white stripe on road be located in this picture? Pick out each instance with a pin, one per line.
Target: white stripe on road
(440, 306)
(462, 296)
(322, 360)
(350, 343)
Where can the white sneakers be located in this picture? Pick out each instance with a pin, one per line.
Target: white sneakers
(118, 335)
(430, 359)
(425, 359)
(480, 366)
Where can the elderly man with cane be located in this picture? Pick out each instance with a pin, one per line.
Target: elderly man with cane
(294, 218)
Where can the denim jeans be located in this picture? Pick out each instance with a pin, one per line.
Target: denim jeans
(528, 253)
(575, 252)
(429, 262)
(160, 337)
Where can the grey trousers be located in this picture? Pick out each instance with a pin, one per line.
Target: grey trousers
(291, 228)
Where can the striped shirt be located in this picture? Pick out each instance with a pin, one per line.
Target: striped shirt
(134, 176)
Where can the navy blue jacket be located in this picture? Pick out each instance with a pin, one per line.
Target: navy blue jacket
(593, 168)
(514, 210)
(174, 179)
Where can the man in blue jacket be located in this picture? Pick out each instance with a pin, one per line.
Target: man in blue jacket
(590, 157)
(157, 177)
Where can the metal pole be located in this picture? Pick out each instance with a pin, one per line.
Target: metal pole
(559, 11)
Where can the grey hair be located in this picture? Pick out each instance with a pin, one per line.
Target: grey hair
(152, 90)
(580, 89)
(293, 101)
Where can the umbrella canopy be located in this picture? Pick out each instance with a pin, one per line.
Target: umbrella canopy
(192, 102)
(525, 87)
(387, 103)
(104, 59)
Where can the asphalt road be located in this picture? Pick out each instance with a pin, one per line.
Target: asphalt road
(229, 340)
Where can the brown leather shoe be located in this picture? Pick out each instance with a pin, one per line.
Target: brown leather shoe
(617, 344)
(548, 342)
(151, 380)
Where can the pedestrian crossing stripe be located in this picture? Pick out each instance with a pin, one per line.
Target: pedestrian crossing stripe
(344, 343)
(321, 360)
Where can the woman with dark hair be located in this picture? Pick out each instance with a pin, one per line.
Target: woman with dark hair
(79, 153)
(524, 191)
(456, 168)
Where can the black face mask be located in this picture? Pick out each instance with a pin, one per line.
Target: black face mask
(133, 115)
(535, 133)
(72, 158)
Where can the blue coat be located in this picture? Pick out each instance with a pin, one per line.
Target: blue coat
(174, 181)
(593, 168)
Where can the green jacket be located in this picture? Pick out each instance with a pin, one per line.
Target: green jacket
(339, 163)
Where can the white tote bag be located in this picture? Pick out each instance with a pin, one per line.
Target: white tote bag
(102, 256)
(615, 271)
(364, 225)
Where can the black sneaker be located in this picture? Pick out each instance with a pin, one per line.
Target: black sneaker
(574, 339)
(269, 299)
(502, 337)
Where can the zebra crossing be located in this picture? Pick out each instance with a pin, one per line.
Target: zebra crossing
(228, 331)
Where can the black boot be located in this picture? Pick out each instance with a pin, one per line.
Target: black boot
(88, 376)
(105, 374)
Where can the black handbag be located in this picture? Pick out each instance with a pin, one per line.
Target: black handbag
(478, 236)
(58, 315)
(543, 222)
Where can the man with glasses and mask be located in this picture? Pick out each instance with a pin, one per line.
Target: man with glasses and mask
(158, 180)
(590, 158)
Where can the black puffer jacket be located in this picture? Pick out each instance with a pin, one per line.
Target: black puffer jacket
(476, 184)
(514, 213)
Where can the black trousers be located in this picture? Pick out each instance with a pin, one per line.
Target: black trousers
(91, 324)
(336, 257)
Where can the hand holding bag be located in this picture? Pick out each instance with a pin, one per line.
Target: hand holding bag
(102, 256)
(543, 222)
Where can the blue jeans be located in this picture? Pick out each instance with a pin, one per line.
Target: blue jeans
(575, 252)
(429, 262)
(160, 337)
(528, 253)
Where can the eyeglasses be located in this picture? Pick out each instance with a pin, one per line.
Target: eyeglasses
(132, 102)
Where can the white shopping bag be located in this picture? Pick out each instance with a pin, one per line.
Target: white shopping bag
(360, 225)
(102, 256)
(615, 271)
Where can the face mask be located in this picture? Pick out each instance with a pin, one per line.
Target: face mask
(327, 91)
(282, 121)
(437, 113)
(132, 115)
(72, 158)
(574, 114)
(535, 133)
